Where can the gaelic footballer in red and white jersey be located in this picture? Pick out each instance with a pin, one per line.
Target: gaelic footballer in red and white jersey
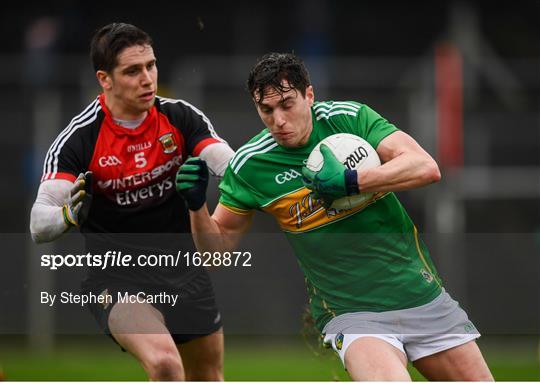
(133, 169)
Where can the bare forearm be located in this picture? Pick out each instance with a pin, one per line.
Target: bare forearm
(407, 171)
(208, 233)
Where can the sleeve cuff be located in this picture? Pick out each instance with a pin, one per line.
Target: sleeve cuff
(236, 210)
(203, 144)
(58, 176)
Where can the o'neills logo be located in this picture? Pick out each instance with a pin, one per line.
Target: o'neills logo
(167, 141)
(355, 157)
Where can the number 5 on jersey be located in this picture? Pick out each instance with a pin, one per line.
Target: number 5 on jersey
(140, 161)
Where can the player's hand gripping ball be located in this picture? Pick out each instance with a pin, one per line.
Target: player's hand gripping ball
(331, 170)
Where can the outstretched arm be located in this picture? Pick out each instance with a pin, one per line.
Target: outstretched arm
(46, 219)
(219, 232)
(59, 205)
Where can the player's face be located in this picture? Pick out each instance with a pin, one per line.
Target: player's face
(131, 87)
(287, 115)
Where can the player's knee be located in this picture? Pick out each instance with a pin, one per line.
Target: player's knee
(165, 365)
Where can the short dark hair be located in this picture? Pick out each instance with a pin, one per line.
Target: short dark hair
(110, 40)
(272, 69)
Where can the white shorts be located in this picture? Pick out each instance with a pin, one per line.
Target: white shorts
(417, 332)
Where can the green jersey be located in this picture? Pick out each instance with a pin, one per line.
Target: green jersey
(368, 258)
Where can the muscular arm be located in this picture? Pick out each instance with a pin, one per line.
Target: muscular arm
(219, 232)
(46, 219)
(406, 165)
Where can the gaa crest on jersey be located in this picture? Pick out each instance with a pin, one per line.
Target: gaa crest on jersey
(168, 143)
(339, 341)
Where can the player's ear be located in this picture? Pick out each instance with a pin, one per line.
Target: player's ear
(310, 95)
(104, 79)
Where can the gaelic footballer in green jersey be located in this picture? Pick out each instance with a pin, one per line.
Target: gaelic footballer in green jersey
(340, 267)
(369, 276)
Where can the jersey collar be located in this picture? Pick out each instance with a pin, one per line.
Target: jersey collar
(121, 130)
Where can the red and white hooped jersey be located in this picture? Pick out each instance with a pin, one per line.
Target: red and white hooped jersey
(133, 169)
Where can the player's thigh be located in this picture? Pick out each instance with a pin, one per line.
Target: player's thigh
(139, 328)
(203, 357)
(463, 362)
(371, 358)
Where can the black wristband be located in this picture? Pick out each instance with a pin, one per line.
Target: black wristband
(351, 181)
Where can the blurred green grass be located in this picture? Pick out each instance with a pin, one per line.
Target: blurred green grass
(246, 359)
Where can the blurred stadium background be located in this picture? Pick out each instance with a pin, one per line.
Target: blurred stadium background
(461, 77)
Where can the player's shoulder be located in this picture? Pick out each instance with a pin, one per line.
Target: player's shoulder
(257, 147)
(83, 122)
(176, 107)
(336, 109)
(88, 114)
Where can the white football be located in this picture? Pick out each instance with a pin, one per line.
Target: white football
(352, 151)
